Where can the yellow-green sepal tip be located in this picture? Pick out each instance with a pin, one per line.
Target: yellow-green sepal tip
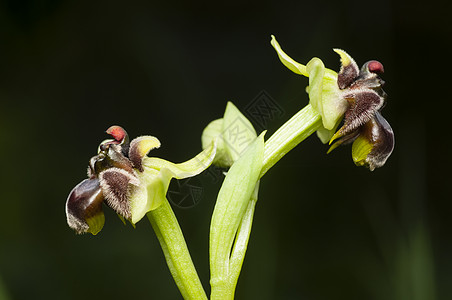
(95, 223)
(345, 58)
(361, 148)
(287, 60)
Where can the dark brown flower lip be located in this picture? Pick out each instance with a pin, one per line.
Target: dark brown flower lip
(84, 202)
(363, 122)
(381, 135)
(362, 88)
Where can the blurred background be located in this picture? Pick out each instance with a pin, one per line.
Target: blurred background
(323, 229)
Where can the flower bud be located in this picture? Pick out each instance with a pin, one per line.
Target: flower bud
(232, 134)
(211, 133)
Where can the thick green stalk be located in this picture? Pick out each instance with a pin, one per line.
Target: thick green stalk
(293, 132)
(176, 252)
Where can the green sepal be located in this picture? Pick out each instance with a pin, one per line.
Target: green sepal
(287, 60)
(325, 135)
(324, 94)
(156, 177)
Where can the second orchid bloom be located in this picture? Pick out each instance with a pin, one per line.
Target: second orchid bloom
(355, 95)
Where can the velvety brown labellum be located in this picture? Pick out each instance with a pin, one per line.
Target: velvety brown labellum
(363, 92)
(379, 133)
(84, 202)
(362, 106)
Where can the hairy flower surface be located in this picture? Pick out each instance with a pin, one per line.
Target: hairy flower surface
(353, 95)
(123, 177)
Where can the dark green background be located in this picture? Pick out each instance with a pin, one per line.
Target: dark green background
(324, 229)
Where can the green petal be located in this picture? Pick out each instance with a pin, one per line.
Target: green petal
(334, 106)
(150, 194)
(316, 70)
(325, 135)
(346, 59)
(156, 177)
(287, 61)
(186, 169)
(324, 94)
(143, 144)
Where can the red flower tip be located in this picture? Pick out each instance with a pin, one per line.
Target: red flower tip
(376, 67)
(117, 132)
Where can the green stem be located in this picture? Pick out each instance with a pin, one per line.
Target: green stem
(293, 132)
(226, 264)
(176, 252)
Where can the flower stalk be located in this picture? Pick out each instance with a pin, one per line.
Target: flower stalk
(176, 253)
(299, 127)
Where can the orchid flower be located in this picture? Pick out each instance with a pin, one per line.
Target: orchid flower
(355, 95)
(123, 177)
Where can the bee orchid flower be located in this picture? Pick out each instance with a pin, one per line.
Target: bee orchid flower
(123, 177)
(353, 95)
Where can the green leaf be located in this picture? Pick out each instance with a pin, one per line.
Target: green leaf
(235, 193)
